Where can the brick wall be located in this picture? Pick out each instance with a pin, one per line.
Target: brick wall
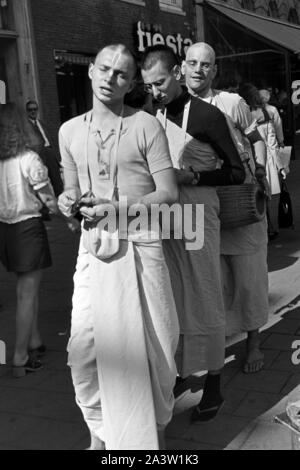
(85, 26)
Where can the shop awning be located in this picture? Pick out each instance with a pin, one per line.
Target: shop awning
(73, 57)
(283, 34)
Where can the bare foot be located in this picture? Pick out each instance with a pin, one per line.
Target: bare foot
(254, 361)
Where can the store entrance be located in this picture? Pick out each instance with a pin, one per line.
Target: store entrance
(244, 56)
(73, 83)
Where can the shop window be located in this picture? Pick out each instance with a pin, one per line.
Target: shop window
(73, 84)
(135, 2)
(293, 16)
(4, 14)
(273, 9)
(173, 6)
(248, 5)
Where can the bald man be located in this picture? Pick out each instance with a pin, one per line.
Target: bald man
(243, 249)
(124, 322)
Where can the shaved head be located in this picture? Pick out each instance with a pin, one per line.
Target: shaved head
(119, 49)
(199, 68)
(202, 46)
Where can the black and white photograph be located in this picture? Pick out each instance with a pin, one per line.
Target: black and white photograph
(150, 156)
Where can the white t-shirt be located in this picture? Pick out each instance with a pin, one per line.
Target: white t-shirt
(20, 177)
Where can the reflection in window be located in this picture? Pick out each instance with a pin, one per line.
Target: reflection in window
(273, 9)
(171, 3)
(293, 16)
(248, 5)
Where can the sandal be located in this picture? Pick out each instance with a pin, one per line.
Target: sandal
(181, 386)
(206, 414)
(31, 365)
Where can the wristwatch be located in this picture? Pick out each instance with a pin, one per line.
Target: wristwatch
(196, 179)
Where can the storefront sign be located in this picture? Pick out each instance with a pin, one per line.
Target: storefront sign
(296, 93)
(149, 38)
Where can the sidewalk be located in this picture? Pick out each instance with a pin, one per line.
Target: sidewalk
(39, 411)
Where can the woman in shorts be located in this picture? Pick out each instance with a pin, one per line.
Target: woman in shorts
(24, 247)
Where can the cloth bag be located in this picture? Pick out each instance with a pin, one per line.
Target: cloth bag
(241, 204)
(100, 243)
(103, 244)
(285, 209)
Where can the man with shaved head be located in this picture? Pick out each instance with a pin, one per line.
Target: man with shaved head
(204, 156)
(243, 249)
(124, 322)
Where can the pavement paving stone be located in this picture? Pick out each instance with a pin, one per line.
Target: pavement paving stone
(182, 444)
(288, 326)
(284, 362)
(242, 437)
(83, 443)
(179, 424)
(281, 342)
(256, 403)
(268, 436)
(291, 384)
(228, 373)
(52, 405)
(263, 381)
(57, 381)
(295, 313)
(30, 381)
(233, 399)
(39, 433)
(220, 431)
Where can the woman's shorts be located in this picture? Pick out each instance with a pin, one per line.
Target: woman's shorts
(24, 246)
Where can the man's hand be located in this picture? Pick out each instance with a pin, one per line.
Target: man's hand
(74, 225)
(94, 208)
(51, 203)
(260, 175)
(284, 172)
(66, 200)
(184, 176)
(260, 172)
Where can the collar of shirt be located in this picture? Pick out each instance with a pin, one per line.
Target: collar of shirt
(177, 105)
(96, 131)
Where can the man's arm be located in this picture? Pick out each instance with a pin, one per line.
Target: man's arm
(278, 127)
(232, 171)
(71, 182)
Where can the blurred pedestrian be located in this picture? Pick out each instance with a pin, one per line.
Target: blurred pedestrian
(24, 247)
(274, 166)
(44, 147)
(274, 116)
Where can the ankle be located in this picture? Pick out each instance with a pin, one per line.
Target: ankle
(212, 389)
(20, 359)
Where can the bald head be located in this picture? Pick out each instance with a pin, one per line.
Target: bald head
(118, 50)
(199, 68)
(202, 47)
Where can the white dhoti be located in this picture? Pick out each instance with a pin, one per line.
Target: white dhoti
(123, 340)
(245, 277)
(197, 288)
